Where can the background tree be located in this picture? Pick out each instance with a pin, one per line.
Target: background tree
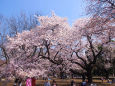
(90, 34)
(113, 67)
(49, 44)
(102, 8)
(105, 68)
(11, 26)
(55, 43)
(21, 22)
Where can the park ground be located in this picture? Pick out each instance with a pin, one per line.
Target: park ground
(62, 82)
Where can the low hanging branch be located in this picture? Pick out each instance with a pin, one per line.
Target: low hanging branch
(5, 54)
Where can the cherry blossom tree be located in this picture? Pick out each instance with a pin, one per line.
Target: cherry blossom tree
(60, 71)
(93, 35)
(12, 26)
(102, 8)
(34, 50)
(104, 65)
(55, 43)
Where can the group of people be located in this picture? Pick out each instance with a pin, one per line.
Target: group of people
(74, 84)
(108, 80)
(31, 82)
(47, 83)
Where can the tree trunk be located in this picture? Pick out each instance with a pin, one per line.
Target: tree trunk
(113, 72)
(89, 76)
(72, 75)
(61, 75)
(83, 77)
(107, 74)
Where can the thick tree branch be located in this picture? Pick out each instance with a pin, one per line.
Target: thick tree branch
(5, 54)
(91, 45)
(57, 53)
(78, 64)
(84, 61)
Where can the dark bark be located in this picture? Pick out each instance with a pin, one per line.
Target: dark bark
(83, 77)
(107, 74)
(76, 72)
(89, 77)
(89, 74)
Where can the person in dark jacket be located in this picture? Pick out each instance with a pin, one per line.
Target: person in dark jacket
(15, 82)
(20, 82)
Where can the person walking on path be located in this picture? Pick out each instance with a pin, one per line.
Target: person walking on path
(33, 81)
(15, 82)
(73, 83)
(29, 82)
(20, 82)
(47, 83)
(83, 83)
(54, 83)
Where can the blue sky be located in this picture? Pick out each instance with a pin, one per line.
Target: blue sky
(72, 9)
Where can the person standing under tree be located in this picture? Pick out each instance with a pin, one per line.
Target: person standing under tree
(15, 82)
(83, 83)
(47, 83)
(20, 82)
(54, 83)
(33, 81)
(28, 82)
(73, 83)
